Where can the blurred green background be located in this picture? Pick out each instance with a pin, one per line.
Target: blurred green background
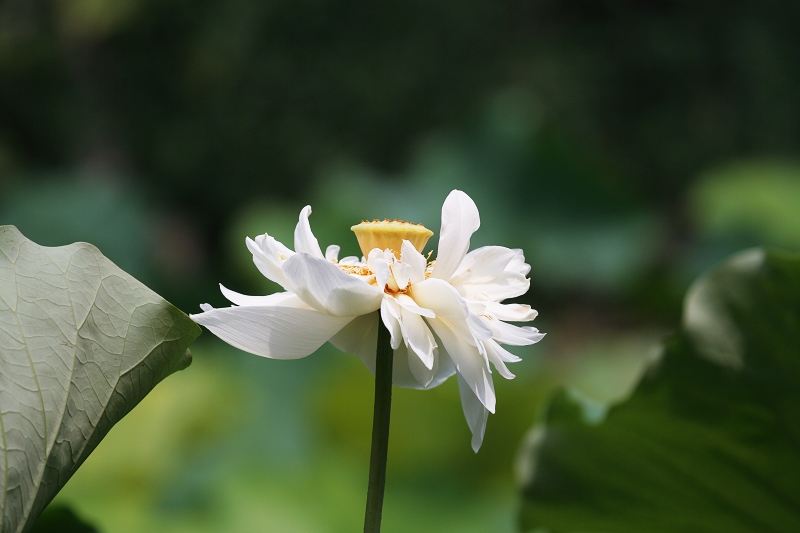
(625, 146)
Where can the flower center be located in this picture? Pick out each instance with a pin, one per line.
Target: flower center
(358, 270)
(390, 234)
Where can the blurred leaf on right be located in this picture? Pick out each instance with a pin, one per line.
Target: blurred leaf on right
(757, 201)
(709, 441)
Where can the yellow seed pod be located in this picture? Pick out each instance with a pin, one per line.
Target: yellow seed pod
(390, 234)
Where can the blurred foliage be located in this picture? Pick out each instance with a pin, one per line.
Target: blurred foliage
(247, 444)
(625, 146)
(760, 202)
(226, 100)
(62, 210)
(61, 519)
(709, 441)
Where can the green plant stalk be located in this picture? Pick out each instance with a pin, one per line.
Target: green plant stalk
(380, 430)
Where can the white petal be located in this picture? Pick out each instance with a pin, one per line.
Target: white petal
(506, 285)
(272, 331)
(415, 260)
(483, 265)
(470, 364)
(374, 254)
(409, 372)
(401, 273)
(268, 256)
(350, 260)
(475, 413)
(272, 247)
(304, 240)
(514, 335)
(510, 284)
(381, 269)
(206, 307)
(408, 303)
(443, 368)
(505, 355)
(418, 338)
(284, 299)
(440, 297)
(390, 315)
(498, 357)
(479, 329)
(332, 252)
(360, 337)
(476, 307)
(511, 312)
(326, 288)
(443, 299)
(518, 264)
(460, 219)
(423, 376)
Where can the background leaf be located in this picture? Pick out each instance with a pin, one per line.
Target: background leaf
(61, 519)
(81, 343)
(709, 442)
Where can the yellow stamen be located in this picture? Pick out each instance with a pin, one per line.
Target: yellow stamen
(387, 289)
(356, 269)
(390, 234)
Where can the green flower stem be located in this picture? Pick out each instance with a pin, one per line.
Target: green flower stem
(380, 430)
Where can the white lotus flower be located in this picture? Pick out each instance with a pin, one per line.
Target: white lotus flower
(445, 317)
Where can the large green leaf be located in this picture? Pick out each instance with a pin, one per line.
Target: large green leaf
(81, 343)
(710, 440)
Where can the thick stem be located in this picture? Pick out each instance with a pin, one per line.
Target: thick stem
(380, 430)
